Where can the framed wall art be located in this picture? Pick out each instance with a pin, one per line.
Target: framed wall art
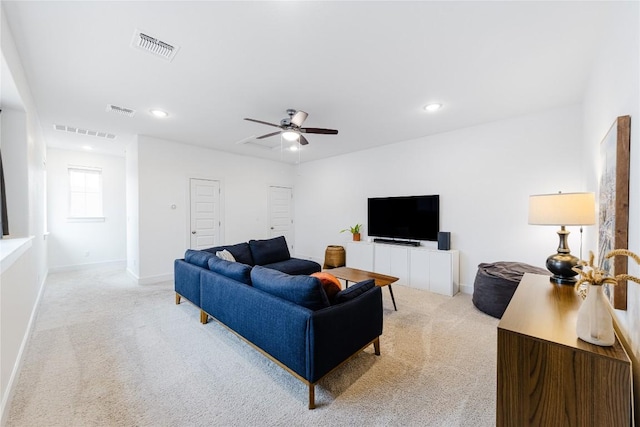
(613, 200)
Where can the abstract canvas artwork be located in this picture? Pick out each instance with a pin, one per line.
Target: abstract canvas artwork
(613, 201)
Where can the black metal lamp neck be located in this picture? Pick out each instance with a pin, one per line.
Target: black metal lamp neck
(563, 246)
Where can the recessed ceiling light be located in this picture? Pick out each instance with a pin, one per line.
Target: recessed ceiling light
(432, 107)
(159, 113)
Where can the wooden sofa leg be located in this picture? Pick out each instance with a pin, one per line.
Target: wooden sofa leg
(312, 396)
(177, 298)
(204, 317)
(376, 346)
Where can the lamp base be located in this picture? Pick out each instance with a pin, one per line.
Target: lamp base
(561, 264)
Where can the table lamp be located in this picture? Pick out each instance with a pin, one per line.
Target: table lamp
(562, 209)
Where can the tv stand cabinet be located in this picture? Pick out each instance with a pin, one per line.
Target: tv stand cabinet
(418, 267)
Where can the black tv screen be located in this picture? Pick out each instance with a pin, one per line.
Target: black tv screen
(410, 217)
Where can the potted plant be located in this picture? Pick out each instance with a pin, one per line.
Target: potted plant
(355, 230)
(594, 322)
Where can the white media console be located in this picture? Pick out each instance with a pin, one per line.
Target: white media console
(418, 267)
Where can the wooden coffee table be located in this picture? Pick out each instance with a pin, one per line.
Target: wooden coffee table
(349, 274)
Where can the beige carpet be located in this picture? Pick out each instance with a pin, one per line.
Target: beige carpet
(107, 352)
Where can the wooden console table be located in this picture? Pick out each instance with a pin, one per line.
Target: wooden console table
(549, 377)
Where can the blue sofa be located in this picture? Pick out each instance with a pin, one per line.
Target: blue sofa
(271, 253)
(289, 318)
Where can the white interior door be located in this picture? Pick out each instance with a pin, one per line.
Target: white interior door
(205, 213)
(281, 214)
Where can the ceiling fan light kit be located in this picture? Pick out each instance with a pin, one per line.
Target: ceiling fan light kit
(291, 127)
(290, 135)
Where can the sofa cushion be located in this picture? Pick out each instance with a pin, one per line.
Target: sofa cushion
(353, 291)
(240, 252)
(233, 270)
(269, 251)
(199, 258)
(302, 290)
(330, 284)
(295, 266)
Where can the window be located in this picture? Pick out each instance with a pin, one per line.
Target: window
(85, 193)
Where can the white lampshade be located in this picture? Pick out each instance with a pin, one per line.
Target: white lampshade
(562, 209)
(290, 135)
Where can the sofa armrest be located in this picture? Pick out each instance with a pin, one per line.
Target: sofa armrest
(337, 332)
(186, 279)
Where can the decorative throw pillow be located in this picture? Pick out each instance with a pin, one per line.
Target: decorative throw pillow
(354, 291)
(330, 283)
(269, 251)
(240, 251)
(225, 255)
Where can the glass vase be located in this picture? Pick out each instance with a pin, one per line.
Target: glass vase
(594, 323)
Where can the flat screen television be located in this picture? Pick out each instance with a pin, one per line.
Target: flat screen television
(408, 217)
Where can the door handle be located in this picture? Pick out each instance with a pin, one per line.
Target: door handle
(272, 228)
(193, 232)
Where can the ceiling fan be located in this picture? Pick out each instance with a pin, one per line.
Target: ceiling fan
(290, 127)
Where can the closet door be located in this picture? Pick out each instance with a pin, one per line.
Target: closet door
(205, 213)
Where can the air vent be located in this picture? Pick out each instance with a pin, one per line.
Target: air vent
(267, 143)
(121, 110)
(154, 46)
(86, 132)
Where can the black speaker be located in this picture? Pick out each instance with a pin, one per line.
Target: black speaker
(444, 240)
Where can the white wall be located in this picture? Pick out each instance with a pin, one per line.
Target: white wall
(23, 148)
(163, 173)
(74, 243)
(483, 174)
(132, 209)
(614, 90)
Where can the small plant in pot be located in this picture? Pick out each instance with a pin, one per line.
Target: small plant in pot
(355, 231)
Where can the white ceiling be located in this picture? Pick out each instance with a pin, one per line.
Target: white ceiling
(364, 68)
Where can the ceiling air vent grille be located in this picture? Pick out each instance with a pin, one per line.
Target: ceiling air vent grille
(86, 132)
(267, 144)
(154, 46)
(121, 110)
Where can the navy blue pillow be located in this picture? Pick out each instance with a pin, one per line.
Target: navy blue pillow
(303, 290)
(353, 291)
(233, 270)
(240, 252)
(269, 251)
(199, 258)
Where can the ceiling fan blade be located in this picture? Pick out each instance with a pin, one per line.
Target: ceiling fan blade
(264, 123)
(319, 130)
(299, 117)
(268, 135)
(303, 140)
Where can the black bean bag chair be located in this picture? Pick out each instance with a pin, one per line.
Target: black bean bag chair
(496, 283)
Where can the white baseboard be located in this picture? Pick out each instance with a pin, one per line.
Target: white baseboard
(466, 289)
(149, 280)
(65, 268)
